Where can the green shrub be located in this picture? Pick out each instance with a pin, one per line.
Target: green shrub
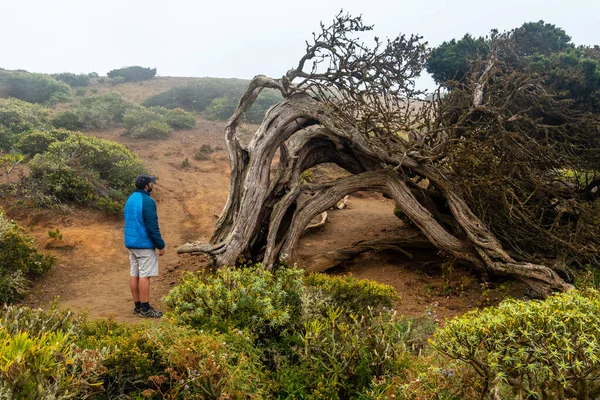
(138, 116)
(38, 367)
(117, 80)
(33, 88)
(155, 122)
(180, 119)
(165, 360)
(151, 130)
(20, 261)
(133, 74)
(198, 97)
(220, 109)
(83, 170)
(265, 100)
(339, 356)
(17, 117)
(130, 355)
(203, 152)
(36, 322)
(93, 75)
(110, 106)
(94, 112)
(265, 302)
(101, 79)
(34, 143)
(353, 295)
(73, 80)
(536, 349)
(80, 92)
(218, 99)
(69, 120)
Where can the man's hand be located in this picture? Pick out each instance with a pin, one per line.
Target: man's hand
(161, 252)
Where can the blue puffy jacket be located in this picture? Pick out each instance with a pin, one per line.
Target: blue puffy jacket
(141, 222)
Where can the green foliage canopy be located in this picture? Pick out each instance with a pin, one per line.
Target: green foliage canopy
(73, 80)
(132, 74)
(452, 60)
(17, 117)
(20, 260)
(216, 97)
(33, 88)
(84, 170)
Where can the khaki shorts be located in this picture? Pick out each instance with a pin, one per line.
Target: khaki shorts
(143, 262)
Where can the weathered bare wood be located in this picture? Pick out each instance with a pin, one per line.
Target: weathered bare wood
(317, 225)
(407, 239)
(355, 118)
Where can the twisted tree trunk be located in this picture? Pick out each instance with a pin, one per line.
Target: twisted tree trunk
(264, 219)
(354, 108)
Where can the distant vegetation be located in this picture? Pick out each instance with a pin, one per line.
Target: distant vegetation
(99, 111)
(216, 98)
(132, 74)
(156, 122)
(18, 117)
(19, 263)
(33, 88)
(73, 80)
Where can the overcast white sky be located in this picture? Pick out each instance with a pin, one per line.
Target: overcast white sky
(222, 38)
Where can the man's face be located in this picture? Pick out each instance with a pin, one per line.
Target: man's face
(149, 187)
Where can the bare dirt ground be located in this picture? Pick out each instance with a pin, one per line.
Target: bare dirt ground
(92, 271)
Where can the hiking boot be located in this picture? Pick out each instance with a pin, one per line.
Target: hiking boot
(137, 310)
(150, 313)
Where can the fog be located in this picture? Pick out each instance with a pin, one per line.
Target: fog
(242, 38)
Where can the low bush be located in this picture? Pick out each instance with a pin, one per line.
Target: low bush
(84, 170)
(339, 356)
(536, 349)
(151, 130)
(20, 261)
(203, 152)
(138, 116)
(217, 98)
(17, 117)
(197, 97)
(265, 302)
(155, 122)
(94, 112)
(38, 367)
(34, 143)
(133, 74)
(265, 100)
(33, 88)
(37, 141)
(316, 339)
(168, 361)
(354, 295)
(73, 80)
(69, 120)
(220, 109)
(180, 119)
(117, 80)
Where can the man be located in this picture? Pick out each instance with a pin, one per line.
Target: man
(142, 238)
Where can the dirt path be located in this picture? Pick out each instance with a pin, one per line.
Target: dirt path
(92, 271)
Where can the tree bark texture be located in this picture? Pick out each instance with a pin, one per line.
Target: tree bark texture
(265, 216)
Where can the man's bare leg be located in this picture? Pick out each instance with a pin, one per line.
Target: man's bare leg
(135, 287)
(144, 289)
